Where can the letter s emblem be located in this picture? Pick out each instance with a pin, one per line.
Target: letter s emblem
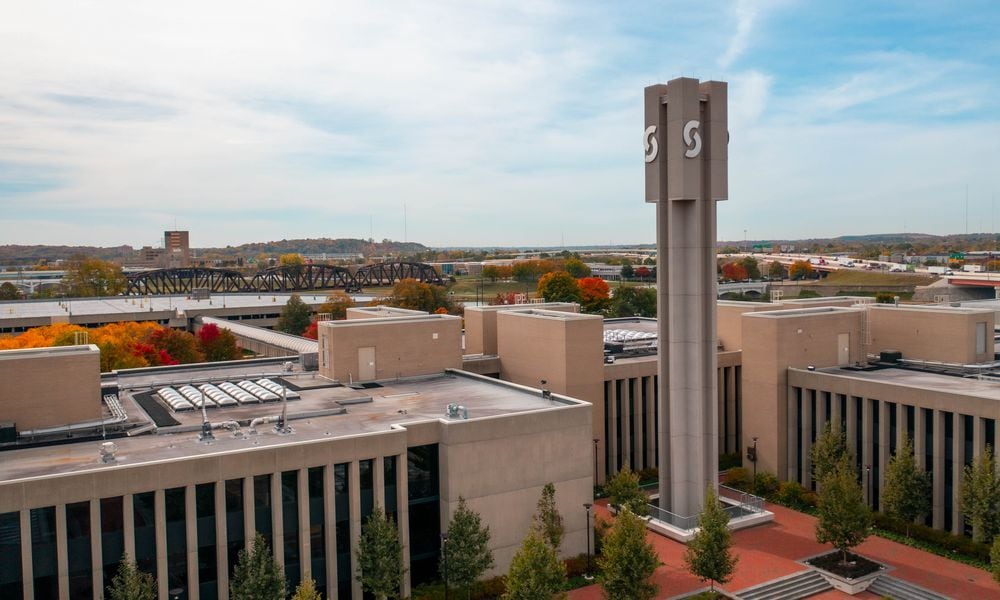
(692, 139)
(649, 141)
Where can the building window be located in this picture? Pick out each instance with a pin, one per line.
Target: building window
(144, 518)
(876, 449)
(175, 511)
(112, 537)
(424, 502)
(389, 479)
(44, 561)
(262, 507)
(366, 474)
(645, 424)
(204, 499)
(81, 581)
(235, 536)
(290, 526)
(342, 510)
(607, 430)
(981, 338)
(11, 585)
(317, 529)
(635, 464)
(618, 424)
(949, 467)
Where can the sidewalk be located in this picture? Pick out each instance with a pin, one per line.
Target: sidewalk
(769, 551)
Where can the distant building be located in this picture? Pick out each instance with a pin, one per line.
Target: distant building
(178, 249)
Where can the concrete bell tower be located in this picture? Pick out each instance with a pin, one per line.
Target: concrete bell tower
(686, 141)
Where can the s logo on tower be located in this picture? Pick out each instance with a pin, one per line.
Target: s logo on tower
(649, 141)
(692, 139)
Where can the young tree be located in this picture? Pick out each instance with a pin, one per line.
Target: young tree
(627, 560)
(843, 516)
(980, 496)
(547, 520)
(559, 286)
(907, 488)
(709, 555)
(380, 557)
(628, 272)
(307, 591)
(295, 316)
(623, 490)
(336, 305)
(595, 295)
(576, 268)
(86, 277)
(130, 583)
(536, 573)
(828, 451)
(257, 575)
(467, 548)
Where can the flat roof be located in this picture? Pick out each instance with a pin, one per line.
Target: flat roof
(642, 324)
(934, 308)
(924, 380)
(279, 339)
(20, 353)
(801, 312)
(377, 409)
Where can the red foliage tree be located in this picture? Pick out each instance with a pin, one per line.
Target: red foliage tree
(733, 272)
(595, 295)
(312, 332)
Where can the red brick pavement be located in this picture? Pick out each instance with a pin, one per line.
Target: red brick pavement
(769, 551)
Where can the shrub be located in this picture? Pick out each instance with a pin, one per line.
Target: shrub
(730, 460)
(790, 493)
(765, 485)
(739, 478)
(576, 566)
(648, 475)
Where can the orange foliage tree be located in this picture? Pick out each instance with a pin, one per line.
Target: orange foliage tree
(733, 272)
(800, 269)
(595, 295)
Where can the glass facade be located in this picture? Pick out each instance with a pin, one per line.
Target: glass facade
(290, 527)
(112, 536)
(424, 501)
(143, 515)
(389, 481)
(262, 508)
(317, 529)
(208, 574)
(44, 563)
(81, 581)
(11, 585)
(342, 509)
(235, 536)
(174, 510)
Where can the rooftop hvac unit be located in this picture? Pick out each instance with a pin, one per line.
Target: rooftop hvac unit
(8, 432)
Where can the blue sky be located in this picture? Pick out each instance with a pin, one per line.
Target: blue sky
(495, 123)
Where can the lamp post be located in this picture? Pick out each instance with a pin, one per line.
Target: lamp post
(868, 486)
(754, 461)
(587, 575)
(444, 553)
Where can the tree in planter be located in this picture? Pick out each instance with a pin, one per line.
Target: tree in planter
(257, 576)
(623, 490)
(295, 316)
(627, 560)
(130, 583)
(380, 557)
(307, 591)
(980, 496)
(907, 487)
(547, 520)
(536, 573)
(466, 549)
(829, 449)
(709, 554)
(843, 517)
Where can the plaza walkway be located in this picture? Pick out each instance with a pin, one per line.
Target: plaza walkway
(769, 551)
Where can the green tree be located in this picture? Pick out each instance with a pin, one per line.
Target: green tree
(623, 490)
(336, 305)
(536, 573)
(559, 286)
(257, 575)
(88, 277)
(627, 560)
(749, 263)
(491, 272)
(828, 451)
(627, 271)
(547, 520)
(995, 559)
(295, 316)
(633, 302)
(467, 548)
(843, 516)
(776, 271)
(130, 583)
(980, 496)
(307, 591)
(576, 268)
(907, 487)
(380, 557)
(9, 291)
(709, 555)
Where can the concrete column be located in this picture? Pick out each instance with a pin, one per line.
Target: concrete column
(128, 525)
(938, 470)
(378, 481)
(96, 550)
(957, 468)
(277, 520)
(160, 526)
(867, 425)
(852, 428)
(249, 513)
(835, 414)
(883, 445)
(191, 537)
(330, 532)
(354, 494)
(305, 544)
(222, 539)
(62, 552)
(650, 429)
(403, 516)
(720, 386)
(792, 433)
(978, 433)
(919, 438)
(27, 571)
(805, 460)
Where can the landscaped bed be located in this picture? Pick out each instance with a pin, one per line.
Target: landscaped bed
(855, 568)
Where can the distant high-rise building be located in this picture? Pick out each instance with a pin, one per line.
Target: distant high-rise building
(178, 249)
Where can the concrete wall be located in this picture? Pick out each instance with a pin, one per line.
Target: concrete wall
(935, 333)
(404, 346)
(33, 398)
(481, 323)
(375, 312)
(729, 322)
(782, 339)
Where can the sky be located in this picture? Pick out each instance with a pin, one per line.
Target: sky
(485, 123)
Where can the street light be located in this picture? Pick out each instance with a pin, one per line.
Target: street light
(444, 553)
(587, 575)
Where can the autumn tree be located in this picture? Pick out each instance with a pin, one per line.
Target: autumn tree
(576, 268)
(843, 518)
(643, 273)
(307, 591)
(536, 573)
(491, 272)
(295, 316)
(292, 259)
(380, 557)
(980, 496)
(416, 295)
(9, 291)
(800, 269)
(88, 277)
(467, 548)
(547, 519)
(130, 583)
(907, 493)
(627, 560)
(775, 270)
(751, 267)
(633, 302)
(336, 305)
(257, 575)
(532, 270)
(559, 286)
(595, 295)
(733, 271)
(217, 344)
(180, 345)
(709, 555)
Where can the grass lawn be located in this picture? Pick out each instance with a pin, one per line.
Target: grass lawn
(466, 288)
(860, 277)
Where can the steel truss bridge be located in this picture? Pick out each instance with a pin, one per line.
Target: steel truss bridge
(278, 279)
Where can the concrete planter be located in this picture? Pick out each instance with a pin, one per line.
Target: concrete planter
(848, 585)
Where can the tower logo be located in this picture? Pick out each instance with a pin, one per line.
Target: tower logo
(649, 141)
(692, 139)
